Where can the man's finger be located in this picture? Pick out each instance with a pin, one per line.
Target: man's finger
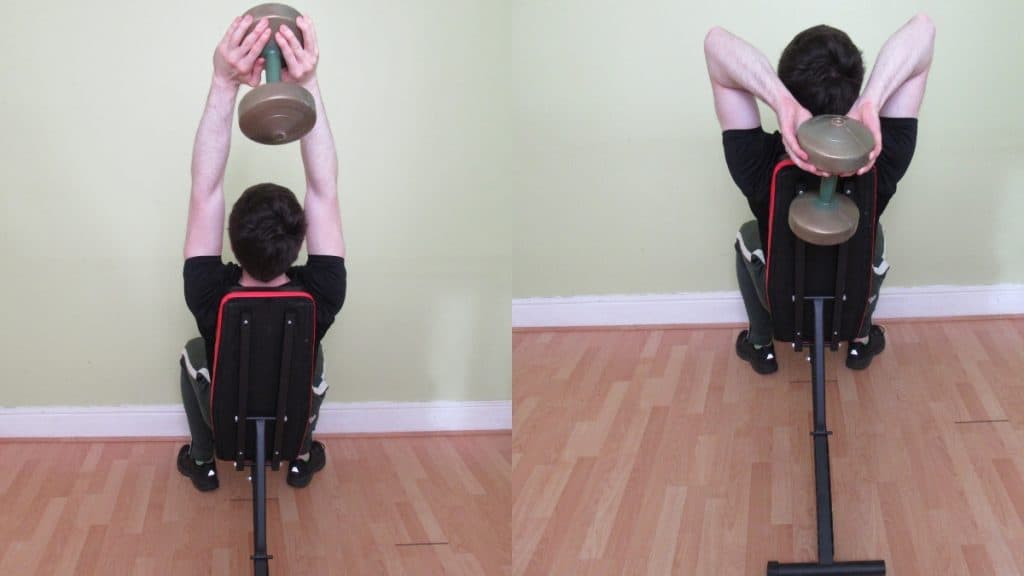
(291, 39)
(257, 72)
(309, 35)
(240, 29)
(290, 60)
(256, 48)
(794, 145)
(807, 166)
(231, 30)
(253, 37)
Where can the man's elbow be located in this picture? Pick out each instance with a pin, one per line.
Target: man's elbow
(926, 35)
(711, 39)
(712, 48)
(926, 24)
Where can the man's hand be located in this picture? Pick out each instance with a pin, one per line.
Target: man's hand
(237, 59)
(791, 115)
(864, 111)
(300, 60)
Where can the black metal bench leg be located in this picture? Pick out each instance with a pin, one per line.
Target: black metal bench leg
(822, 473)
(259, 502)
(825, 566)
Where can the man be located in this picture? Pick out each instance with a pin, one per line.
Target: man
(820, 72)
(266, 228)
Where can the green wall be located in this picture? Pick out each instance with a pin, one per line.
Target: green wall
(100, 104)
(489, 149)
(622, 179)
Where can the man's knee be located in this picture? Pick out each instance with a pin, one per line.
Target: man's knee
(320, 374)
(880, 250)
(748, 242)
(193, 359)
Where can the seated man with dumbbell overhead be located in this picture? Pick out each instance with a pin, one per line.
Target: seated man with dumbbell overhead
(820, 73)
(267, 225)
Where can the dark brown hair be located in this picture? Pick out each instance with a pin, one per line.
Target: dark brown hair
(266, 228)
(823, 69)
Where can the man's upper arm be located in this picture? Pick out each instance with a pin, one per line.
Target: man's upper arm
(323, 225)
(325, 277)
(736, 109)
(205, 233)
(205, 279)
(899, 137)
(905, 101)
(735, 106)
(750, 155)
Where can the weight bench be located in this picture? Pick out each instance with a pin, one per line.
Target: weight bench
(261, 390)
(820, 248)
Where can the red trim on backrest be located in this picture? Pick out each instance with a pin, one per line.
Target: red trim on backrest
(220, 318)
(771, 230)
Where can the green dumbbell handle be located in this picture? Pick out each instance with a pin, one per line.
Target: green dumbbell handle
(828, 188)
(272, 56)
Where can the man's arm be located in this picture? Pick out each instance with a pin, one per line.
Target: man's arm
(319, 156)
(898, 80)
(740, 73)
(235, 61)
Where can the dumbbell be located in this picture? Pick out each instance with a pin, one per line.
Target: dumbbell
(837, 145)
(276, 112)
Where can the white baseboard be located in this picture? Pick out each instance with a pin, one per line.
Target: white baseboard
(727, 307)
(335, 418)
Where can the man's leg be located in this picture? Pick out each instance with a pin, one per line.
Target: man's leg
(880, 268)
(196, 460)
(871, 340)
(312, 457)
(755, 344)
(319, 391)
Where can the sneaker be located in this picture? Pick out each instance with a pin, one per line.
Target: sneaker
(203, 476)
(859, 356)
(300, 472)
(762, 359)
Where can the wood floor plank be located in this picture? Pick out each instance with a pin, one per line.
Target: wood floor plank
(405, 505)
(659, 452)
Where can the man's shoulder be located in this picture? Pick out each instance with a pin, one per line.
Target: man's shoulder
(322, 276)
(198, 267)
(318, 264)
(756, 134)
(751, 155)
(752, 148)
(897, 121)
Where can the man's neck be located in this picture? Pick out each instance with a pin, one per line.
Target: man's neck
(250, 282)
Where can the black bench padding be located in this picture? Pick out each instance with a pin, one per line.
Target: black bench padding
(265, 316)
(820, 261)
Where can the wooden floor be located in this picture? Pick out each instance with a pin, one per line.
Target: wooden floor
(411, 505)
(660, 452)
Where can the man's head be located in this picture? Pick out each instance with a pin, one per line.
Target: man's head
(266, 228)
(823, 70)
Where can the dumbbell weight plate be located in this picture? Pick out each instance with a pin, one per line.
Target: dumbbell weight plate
(277, 15)
(836, 144)
(823, 224)
(276, 113)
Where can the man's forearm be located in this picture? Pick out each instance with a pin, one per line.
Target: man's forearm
(735, 64)
(905, 55)
(319, 156)
(213, 139)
